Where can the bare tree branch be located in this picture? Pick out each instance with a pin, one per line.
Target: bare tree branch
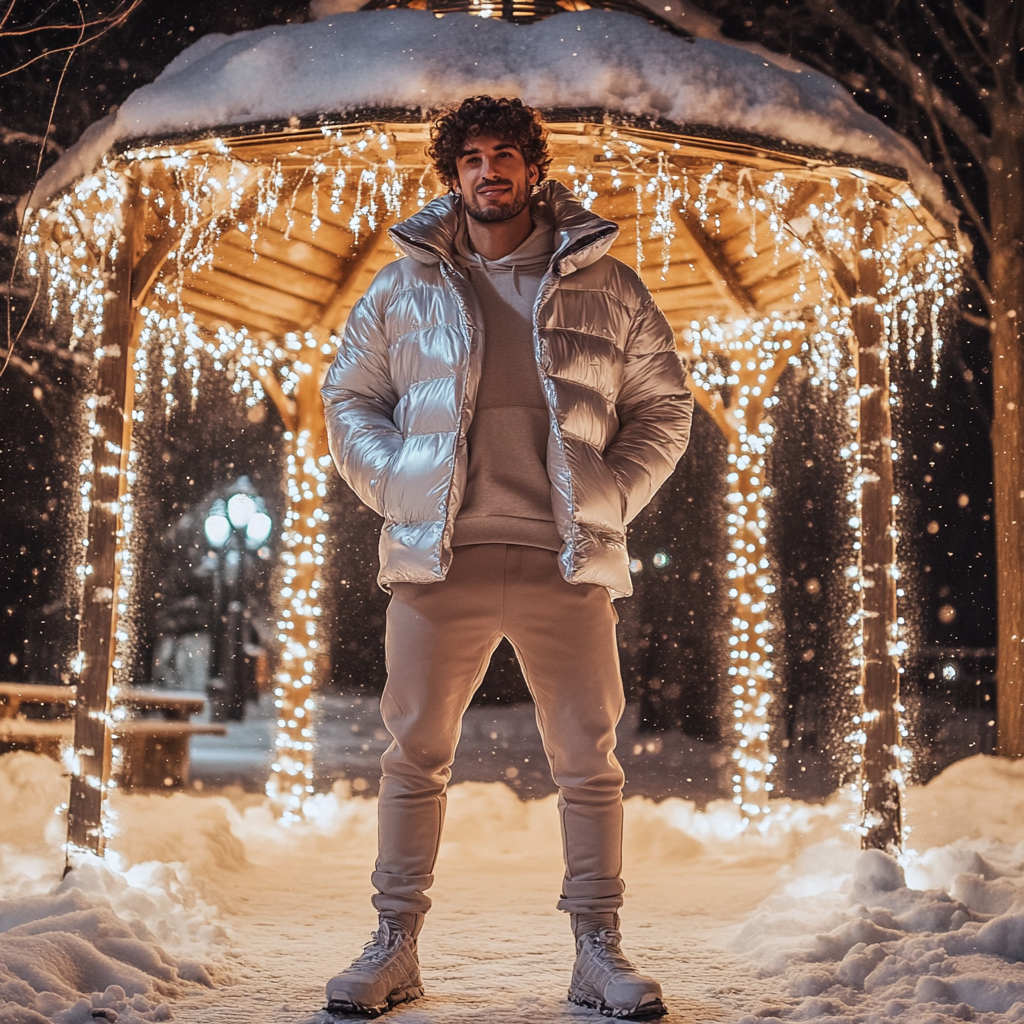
(13, 340)
(1007, 28)
(976, 321)
(963, 11)
(965, 15)
(82, 40)
(34, 29)
(70, 358)
(16, 291)
(8, 135)
(978, 281)
(956, 56)
(951, 169)
(908, 72)
(29, 369)
(74, 356)
(7, 13)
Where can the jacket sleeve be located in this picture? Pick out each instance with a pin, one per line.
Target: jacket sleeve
(654, 407)
(359, 404)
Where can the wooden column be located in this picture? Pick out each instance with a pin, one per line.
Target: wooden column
(751, 662)
(291, 780)
(111, 443)
(751, 578)
(302, 559)
(880, 682)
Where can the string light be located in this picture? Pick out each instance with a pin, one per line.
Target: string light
(204, 191)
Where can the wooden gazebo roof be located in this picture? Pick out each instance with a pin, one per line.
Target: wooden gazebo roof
(305, 266)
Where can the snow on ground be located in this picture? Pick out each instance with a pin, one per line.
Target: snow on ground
(213, 912)
(117, 939)
(408, 58)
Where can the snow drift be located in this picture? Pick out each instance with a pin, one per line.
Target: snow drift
(118, 938)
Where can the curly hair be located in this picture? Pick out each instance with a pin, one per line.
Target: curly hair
(507, 118)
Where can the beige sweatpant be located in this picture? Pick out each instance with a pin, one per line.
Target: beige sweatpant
(440, 638)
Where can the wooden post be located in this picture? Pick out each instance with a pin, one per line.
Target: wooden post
(111, 443)
(752, 680)
(751, 668)
(881, 822)
(291, 780)
(303, 649)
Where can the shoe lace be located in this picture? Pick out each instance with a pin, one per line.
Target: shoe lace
(381, 946)
(607, 951)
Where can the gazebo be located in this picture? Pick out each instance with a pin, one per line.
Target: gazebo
(230, 214)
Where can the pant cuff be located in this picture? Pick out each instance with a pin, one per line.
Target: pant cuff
(401, 894)
(600, 896)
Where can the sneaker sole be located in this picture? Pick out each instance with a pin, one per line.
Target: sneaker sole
(343, 1008)
(645, 1011)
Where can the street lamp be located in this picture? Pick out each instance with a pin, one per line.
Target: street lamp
(234, 526)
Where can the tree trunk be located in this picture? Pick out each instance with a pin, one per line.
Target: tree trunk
(1006, 280)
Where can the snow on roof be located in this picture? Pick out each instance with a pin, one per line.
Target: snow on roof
(407, 58)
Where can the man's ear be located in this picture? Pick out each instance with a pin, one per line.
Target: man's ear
(533, 175)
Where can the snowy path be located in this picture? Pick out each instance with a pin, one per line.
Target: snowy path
(493, 949)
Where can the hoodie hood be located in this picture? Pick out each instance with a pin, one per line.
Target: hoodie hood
(580, 236)
(534, 254)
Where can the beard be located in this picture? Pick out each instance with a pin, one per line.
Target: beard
(518, 202)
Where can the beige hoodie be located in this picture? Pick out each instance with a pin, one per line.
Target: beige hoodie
(508, 492)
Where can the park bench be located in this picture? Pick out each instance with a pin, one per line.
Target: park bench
(154, 741)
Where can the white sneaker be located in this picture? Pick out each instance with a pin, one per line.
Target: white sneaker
(605, 980)
(386, 974)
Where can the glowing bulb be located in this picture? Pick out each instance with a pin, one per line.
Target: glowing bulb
(217, 529)
(258, 529)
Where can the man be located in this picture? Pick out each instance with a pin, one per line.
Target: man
(507, 397)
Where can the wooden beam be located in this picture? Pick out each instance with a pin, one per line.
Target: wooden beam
(111, 443)
(219, 311)
(285, 405)
(148, 268)
(303, 282)
(271, 245)
(344, 298)
(711, 402)
(881, 825)
(250, 296)
(711, 260)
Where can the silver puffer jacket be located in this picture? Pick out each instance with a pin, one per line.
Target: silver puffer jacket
(399, 397)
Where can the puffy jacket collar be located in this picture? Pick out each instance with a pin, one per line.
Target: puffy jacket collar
(581, 237)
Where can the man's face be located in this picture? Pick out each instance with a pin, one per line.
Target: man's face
(494, 179)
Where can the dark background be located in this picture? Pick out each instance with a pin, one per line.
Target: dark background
(672, 631)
